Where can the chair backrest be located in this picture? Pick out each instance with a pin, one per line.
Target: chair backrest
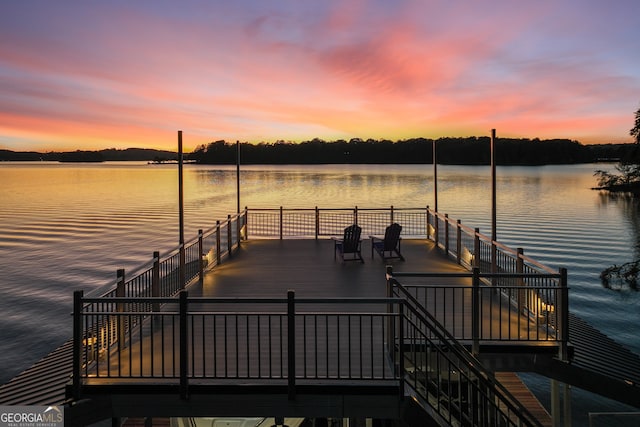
(351, 239)
(391, 236)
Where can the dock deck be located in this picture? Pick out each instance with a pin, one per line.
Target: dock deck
(269, 268)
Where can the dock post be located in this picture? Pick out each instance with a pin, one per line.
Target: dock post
(155, 280)
(564, 316)
(181, 268)
(229, 236)
(184, 351)
(291, 344)
(238, 229)
(400, 364)
(446, 234)
(246, 223)
(459, 241)
(218, 243)
(522, 295)
(436, 226)
(428, 223)
(475, 307)
(201, 254)
(476, 247)
(77, 343)
(389, 326)
(120, 293)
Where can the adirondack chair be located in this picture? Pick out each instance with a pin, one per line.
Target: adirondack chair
(389, 247)
(350, 245)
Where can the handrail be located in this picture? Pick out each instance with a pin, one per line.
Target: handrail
(543, 303)
(439, 228)
(449, 346)
(139, 328)
(202, 252)
(220, 240)
(396, 334)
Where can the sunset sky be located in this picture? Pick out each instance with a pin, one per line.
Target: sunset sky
(120, 73)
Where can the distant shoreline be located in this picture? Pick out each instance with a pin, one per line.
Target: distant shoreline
(453, 151)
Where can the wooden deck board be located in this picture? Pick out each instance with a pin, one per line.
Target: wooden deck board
(272, 267)
(519, 390)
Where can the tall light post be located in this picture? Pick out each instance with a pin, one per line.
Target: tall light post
(182, 271)
(238, 175)
(494, 236)
(435, 178)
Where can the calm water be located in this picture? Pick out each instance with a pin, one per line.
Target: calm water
(71, 226)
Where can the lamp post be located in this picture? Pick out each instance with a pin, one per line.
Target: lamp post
(494, 237)
(182, 271)
(435, 178)
(238, 175)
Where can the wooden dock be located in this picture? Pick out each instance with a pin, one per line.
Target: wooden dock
(269, 269)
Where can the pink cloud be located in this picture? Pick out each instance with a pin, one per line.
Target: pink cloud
(345, 69)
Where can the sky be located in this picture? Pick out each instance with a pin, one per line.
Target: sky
(94, 74)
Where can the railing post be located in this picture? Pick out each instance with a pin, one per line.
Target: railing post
(391, 211)
(436, 236)
(201, 254)
(428, 222)
(291, 345)
(355, 215)
(184, 351)
(317, 222)
(494, 262)
(400, 364)
(390, 326)
(246, 223)
(182, 268)
(238, 229)
(120, 293)
(218, 246)
(77, 343)
(155, 280)
(564, 315)
(475, 310)
(229, 236)
(520, 281)
(446, 234)
(476, 247)
(459, 241)
(281, 222)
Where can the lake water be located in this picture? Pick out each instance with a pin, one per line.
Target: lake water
(65, 227)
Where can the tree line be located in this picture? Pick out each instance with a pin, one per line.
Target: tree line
(463, 151)
(107, 155)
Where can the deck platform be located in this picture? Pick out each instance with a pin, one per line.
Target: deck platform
(269, 269)
(272, 267)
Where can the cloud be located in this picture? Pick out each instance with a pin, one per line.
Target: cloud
(122, 73)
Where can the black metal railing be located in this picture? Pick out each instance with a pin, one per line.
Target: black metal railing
(529, 309)
(374, 339)
(163, 277)
(446, 377)
(325, 222)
